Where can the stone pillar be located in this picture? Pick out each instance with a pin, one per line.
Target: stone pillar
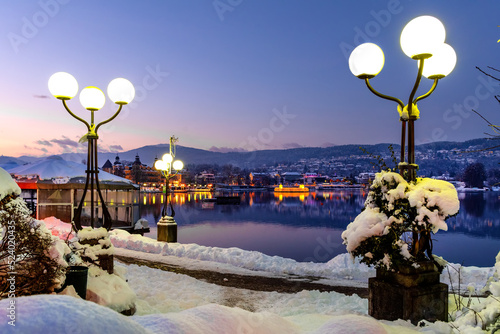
(167, 229)
(411, 294)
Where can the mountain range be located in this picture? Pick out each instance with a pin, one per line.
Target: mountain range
(253, 159)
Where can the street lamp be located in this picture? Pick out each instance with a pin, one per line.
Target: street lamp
(64, 87)
(167, 227)
(422, 39)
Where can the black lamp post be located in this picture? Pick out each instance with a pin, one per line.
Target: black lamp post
(422, 39)
(167, 227)
(64, 87)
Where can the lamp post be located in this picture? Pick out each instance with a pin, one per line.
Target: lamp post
(422, 39)
(64, 87)
(167, 227)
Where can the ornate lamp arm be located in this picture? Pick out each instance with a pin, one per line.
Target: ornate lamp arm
(415, 87)
(434, 85)
(403, 122)
(109, 119)
(72, 114)
(387, 97)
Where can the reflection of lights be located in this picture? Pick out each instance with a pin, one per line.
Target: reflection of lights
(281, 198)
(161, 199)
(302, 197)
(154, 199)
(189, 197)
(144, 200)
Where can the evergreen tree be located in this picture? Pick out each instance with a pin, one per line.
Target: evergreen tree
(474, 175)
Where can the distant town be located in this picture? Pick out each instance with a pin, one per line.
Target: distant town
(349, 166)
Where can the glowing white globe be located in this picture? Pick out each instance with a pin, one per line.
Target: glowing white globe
(366, 60)
(441, 63)
(421, 36)
(121, 91)
(178, 165)
(167, 157)
(92, 98)
(63, 86)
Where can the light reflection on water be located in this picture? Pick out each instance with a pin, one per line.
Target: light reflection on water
(309, 227)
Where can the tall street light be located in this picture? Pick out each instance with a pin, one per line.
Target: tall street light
(64, 87)
(422, 39)
(167, 227)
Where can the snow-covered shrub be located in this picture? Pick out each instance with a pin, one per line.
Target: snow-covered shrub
(484, 313)
(94, 247)
(393, 230)
(31, 259)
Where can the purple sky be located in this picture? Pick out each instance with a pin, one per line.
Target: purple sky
(236, 74)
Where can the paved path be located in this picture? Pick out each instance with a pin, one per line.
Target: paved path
(257, 283)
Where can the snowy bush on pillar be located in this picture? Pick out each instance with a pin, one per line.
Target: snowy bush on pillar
(31, 259)
(94, 247)
(393, 230)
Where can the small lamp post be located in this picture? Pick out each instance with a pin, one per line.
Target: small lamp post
(167, 227)
(422, 39)
(64, 87)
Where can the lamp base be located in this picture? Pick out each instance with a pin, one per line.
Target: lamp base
(167, 229)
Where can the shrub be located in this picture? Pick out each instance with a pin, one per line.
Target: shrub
(30, 257)
(393, 230)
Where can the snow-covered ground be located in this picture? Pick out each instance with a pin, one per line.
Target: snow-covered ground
(173, 303)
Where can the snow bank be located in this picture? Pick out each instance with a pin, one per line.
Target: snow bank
(342, 266)
(59, 228)
(109, 290)
(216, 319)
(123, 239)
(162, 292)
(290, 313)
(64, 314)
(351, 324)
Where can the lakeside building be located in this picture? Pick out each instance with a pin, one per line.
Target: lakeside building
(205, 178)
(54, 187)
(147, 177)
(262, 179)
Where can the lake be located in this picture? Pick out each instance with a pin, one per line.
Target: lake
(309, 227)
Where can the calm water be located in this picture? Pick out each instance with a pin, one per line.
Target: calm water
(309, 227)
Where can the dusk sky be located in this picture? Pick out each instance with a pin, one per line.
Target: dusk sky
(237, 74)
